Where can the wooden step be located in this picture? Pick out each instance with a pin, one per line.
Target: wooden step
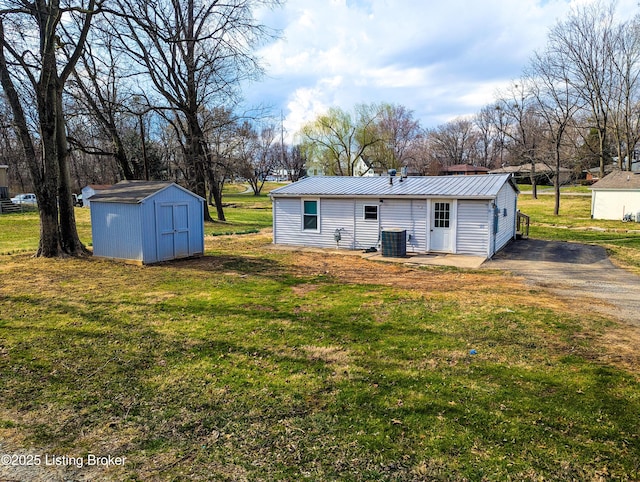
(6, 206)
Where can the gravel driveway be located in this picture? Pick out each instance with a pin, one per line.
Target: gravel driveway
(574, 270)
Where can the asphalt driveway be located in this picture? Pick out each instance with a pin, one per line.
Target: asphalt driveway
(574, 271)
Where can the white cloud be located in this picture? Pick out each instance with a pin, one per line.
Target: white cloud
(440, 59)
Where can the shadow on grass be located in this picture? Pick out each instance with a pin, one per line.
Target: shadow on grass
(216, 263)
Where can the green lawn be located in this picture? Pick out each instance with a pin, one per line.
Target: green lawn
(245, 213)
(258, 364)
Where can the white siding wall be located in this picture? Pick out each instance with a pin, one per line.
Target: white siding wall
(406, 214)
(418, 241)
(287, 221)
(334, 214)
(615, 204)
(507, 199)
(474, 226)
(367, 230)
(337, 214)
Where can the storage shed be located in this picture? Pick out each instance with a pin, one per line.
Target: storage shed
(473, 215)
(616, 195)
(147, 222)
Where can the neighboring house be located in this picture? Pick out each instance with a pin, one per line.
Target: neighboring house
(6, 205)
(544, 173)
(473, 215)
(147, 222)
(314, 169)
(463, 170)
(593, 174)
(616, 195)
(360, 168)
(90, 190)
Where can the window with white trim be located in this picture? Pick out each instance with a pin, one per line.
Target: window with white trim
(370, 212)
(310, 215)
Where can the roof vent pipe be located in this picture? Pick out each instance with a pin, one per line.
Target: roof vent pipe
(392, 174)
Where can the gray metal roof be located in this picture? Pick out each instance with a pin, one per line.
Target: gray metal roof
(132, 192)
(480, 186)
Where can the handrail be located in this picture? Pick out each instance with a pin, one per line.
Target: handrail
(522, 225)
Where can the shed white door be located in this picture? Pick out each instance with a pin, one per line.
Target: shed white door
(441, 226)
(173, 231)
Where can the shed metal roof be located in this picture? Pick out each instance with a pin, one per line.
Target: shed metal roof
(481, 186)
(619, 180)
(133, 192)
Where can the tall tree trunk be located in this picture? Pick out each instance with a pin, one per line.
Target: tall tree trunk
(556, 183)
(534, 180)
(196, 161)
(601, 150)
(217, 197)
(47, 191)
(50, 175)
(69, 239)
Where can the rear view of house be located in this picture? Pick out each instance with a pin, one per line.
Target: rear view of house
(446, 214)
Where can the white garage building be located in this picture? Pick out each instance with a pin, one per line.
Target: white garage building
(616, 195)
(473, 215)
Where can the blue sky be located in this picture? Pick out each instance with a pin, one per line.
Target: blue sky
(441, 59)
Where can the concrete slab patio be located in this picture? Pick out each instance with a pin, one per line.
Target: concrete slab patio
(436, 259)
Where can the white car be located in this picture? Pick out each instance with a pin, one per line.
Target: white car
(24, 199)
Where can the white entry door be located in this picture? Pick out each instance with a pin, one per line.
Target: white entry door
(441, 226)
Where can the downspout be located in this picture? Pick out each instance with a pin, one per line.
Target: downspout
(273, 209)
(355, 213)
(515, 214)
(494, 227)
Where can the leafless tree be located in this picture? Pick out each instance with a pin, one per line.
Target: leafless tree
(625, 115)
(293, 161)
(258, 154)
(194, 53)
(556, 105)
(100, 94)
(453, 143)
(491, 137)
(40, 49)
(520, 126)
(586, 40)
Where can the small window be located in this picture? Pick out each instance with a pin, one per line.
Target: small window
(441, 215)
(310, 216)
(371, 212)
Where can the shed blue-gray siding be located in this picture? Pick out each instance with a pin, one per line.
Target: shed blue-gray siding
(132, 231)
